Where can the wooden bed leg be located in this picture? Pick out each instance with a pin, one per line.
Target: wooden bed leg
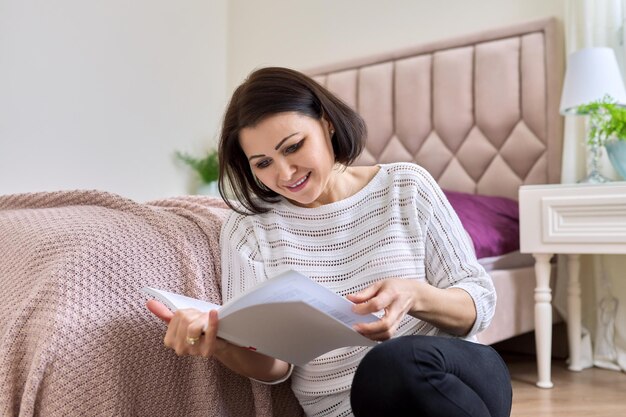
(543, 319)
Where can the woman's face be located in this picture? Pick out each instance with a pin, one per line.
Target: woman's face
(292, 155)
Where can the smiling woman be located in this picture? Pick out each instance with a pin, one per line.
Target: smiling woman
(301, 166)
(383, 236)
(275, 112)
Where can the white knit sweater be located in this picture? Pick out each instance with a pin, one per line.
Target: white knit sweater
(399, 225)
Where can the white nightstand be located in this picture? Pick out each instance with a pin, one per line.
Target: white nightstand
(569, 219)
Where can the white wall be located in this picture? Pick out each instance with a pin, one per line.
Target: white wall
(99, 94)
(302, 34)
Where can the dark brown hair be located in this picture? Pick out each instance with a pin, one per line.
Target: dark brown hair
(266, 92)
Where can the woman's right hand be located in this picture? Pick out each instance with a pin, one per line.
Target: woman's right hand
(189, 331)
(191, 323)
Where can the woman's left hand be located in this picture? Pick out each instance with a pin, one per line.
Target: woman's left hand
(397, 297)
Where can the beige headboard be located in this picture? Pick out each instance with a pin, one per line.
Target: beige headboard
(480, 112)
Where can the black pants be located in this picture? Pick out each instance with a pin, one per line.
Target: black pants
(431, 376)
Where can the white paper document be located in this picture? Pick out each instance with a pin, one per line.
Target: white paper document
(290, 317)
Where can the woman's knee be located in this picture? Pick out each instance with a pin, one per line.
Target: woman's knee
(430, 373)
(385, 358)
(394, 356)
(388, 371)
(378, 379)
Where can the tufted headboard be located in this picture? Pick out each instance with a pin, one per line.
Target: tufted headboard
(479, 112)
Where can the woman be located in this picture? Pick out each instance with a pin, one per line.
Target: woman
(383, 236)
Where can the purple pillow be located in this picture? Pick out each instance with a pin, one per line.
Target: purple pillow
(492, 222)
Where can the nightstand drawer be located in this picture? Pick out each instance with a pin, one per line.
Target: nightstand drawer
(576, 218)
(584, 219)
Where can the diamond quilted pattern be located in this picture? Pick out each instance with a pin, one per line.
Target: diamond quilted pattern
(499, 179)
(476, 153)
(434, 155)
(395, 151)
(521, 150)
(478, 116)
(537, 174)
(455, 178)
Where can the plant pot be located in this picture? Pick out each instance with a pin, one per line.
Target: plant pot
(616, 150)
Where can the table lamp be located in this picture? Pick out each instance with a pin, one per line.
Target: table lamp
(591, 75)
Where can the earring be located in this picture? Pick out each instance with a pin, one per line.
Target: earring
(332, 132)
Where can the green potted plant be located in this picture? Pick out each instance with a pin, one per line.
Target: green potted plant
(608, 128)
(206, 168)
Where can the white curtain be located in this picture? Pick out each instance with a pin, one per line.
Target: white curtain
(592, 23)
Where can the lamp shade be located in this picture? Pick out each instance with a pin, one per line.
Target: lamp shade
(592, 74)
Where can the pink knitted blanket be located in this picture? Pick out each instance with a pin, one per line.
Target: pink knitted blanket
(75, 336)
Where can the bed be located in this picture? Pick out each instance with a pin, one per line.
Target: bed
(480, 112)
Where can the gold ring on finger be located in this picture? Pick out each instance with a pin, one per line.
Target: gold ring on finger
(192, 340)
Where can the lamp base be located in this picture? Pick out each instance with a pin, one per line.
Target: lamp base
(594, 177)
